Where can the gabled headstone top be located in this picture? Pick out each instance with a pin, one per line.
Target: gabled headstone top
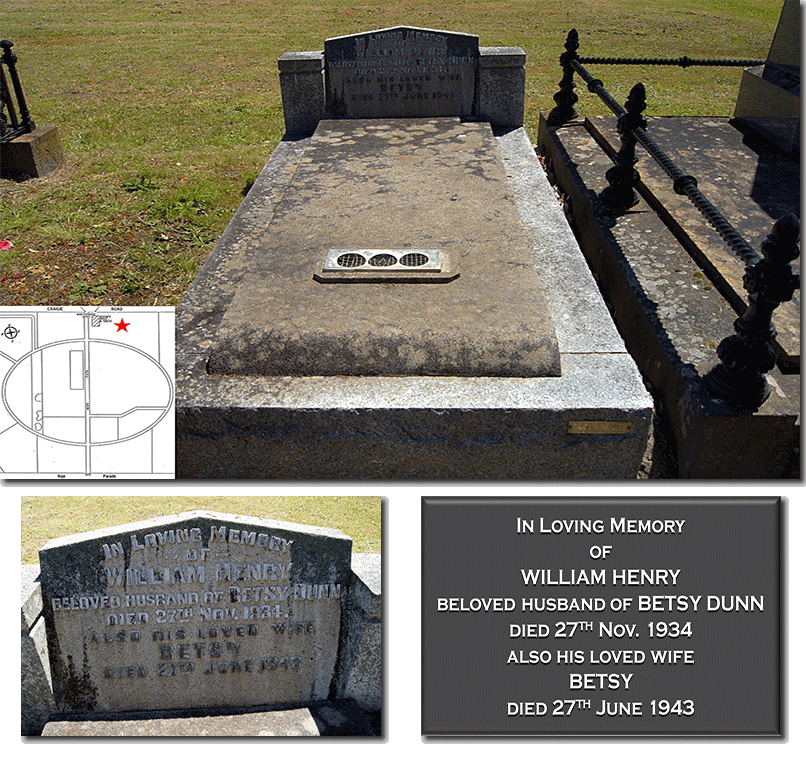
(201, 610)
(401, 72)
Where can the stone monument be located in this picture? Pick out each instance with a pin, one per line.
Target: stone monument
(403, 72)
(400, 295)
(769, 95)
(205, 611)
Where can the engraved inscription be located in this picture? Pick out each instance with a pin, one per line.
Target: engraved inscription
(182, 604)
(401, 72)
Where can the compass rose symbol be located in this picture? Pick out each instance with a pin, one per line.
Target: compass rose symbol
(10, 332)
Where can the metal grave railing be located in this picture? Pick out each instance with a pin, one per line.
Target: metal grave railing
(738, 380)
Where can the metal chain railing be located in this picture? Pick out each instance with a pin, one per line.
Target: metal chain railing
(683, 184)
(631, 130)
(683, 62)
(738, 380)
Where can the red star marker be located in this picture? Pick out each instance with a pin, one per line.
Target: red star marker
(121, 325)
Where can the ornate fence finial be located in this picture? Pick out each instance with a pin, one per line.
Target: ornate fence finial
(746, 356)
(566, 97)
(26, 125)
(620, 193)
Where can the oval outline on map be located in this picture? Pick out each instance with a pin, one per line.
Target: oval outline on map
(83, 343)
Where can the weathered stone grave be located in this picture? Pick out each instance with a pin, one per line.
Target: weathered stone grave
(680, 269)
(203, 611)
(400, 295)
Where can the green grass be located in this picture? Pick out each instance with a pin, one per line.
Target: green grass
(168, 109)
(44, 518)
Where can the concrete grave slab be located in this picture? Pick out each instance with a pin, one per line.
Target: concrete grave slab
(339, 718)
(197, 611)
(406, 184)
(672, 316)
(290, 723)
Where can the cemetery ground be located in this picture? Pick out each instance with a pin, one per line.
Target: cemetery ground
(45, 518)
(167, 111)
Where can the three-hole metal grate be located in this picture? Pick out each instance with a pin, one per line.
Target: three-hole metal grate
(339, 260)
(386, 265)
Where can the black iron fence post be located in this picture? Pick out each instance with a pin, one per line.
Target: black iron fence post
(5, 102)
(566, 98)
(622, 178)
(26, 122)
(683, 184)
(738, 380)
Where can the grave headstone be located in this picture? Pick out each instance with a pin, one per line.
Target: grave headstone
(769, 95)
(197, 611)
(401, 72)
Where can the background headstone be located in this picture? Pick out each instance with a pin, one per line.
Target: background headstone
(769, 95)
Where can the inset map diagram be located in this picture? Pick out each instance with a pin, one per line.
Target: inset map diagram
(87, 392)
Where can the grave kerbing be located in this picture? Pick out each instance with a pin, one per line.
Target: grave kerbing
(197, 611)
(36, 699)
(398, 378)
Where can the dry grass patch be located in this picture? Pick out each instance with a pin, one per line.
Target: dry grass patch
(168, 109)
(44, 518)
